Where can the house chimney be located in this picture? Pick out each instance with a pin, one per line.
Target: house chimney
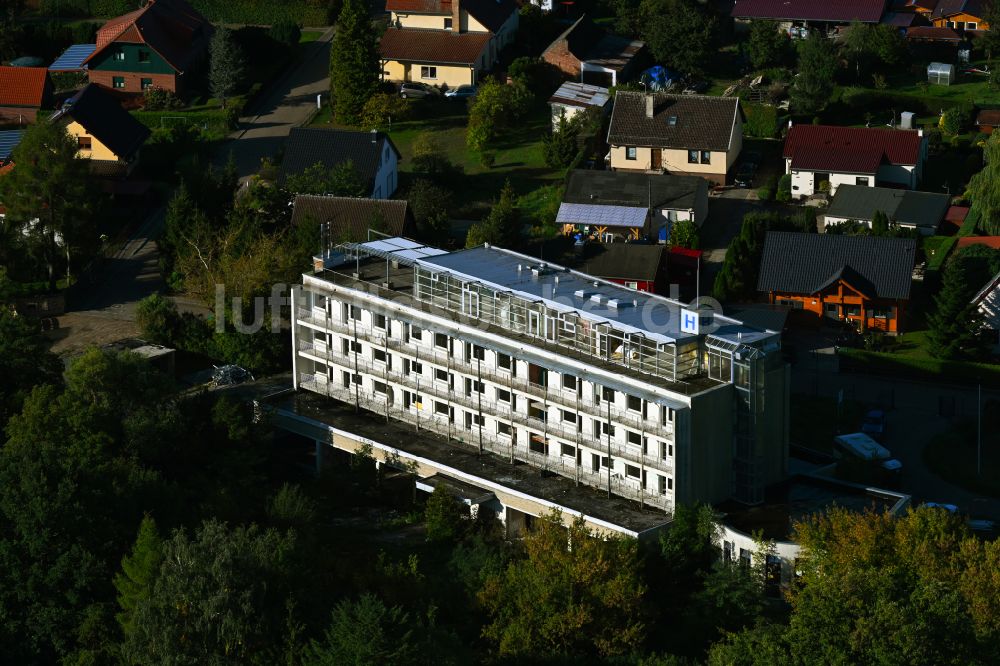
(456, 16)
(649, 106)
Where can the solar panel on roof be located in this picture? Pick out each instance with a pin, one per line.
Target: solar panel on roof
(72, 58)
(601, 216)
(8, 141)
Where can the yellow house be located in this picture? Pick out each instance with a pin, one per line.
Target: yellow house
(693, 135)
(105, 133)
(445, 43)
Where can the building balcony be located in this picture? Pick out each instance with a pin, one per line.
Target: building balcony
(498, 444)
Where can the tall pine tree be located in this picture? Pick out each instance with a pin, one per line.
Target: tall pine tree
(353, 62)
(139, 571)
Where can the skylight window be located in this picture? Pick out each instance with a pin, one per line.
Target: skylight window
(672, 121)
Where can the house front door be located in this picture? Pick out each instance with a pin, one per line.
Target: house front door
(656, 159)
(818, 180)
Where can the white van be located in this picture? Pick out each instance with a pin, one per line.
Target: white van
(861, 446)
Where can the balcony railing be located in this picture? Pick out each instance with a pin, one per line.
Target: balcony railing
(502, 446)
(504, 379)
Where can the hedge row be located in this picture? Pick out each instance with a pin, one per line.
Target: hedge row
(932, 370)
(260, 12)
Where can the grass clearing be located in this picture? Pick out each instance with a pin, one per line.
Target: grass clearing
(309, 36)
(519, 155)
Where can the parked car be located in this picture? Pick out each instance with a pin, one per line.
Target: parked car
(744, 175)
(462, 91)
(873, 424)
(417, 90)
(861, 446)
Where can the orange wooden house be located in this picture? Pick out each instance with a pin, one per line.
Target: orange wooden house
(955, 14)
(862, 280)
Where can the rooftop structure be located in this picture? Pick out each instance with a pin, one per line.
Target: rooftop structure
(808, 263)
(102, 117)
(373, 155)
(619, 389)
(583, 95)
(433, 46)
(923, 211)
(850, 149)
(24, 87)
(8, 142)
(674, 121)
(350, 218)
(72, 58)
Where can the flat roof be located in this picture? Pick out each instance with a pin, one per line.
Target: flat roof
(562, 289)
(572, 93)
(799, 497)
(517, 476)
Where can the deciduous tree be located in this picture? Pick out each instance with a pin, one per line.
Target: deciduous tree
(572, 595)
(680, 34)
(48, 196)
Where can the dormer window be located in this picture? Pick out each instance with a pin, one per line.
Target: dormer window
(447, 23)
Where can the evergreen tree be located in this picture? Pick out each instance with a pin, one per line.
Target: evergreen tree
(559, 147)
(766, 45)
(503, 224)
(139, 570)
(956, 325)
(880, 224)
(365, 632)
(226, 64)
(817, 68)
(353, 62)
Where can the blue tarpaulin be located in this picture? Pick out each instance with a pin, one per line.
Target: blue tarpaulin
(658, 78)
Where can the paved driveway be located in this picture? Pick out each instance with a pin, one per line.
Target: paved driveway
(290, 103)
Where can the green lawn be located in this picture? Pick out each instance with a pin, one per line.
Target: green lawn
(309, 36)
(519, 154)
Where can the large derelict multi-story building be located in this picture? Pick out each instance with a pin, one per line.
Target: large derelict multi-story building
(611, 387)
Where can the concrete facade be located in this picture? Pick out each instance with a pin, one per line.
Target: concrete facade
(510, 391)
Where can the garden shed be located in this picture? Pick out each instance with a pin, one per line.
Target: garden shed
(939, 72)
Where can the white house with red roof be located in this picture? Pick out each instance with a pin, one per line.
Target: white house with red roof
(822, 157)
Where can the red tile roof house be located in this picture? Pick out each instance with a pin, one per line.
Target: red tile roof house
(870, 156)
(23, 91)
(825, 14)
(157, 45)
